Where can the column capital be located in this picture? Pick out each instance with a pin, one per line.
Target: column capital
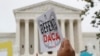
(26, 20)
(79, 21)
(35, 20)
(63, 20)
(17, 20)
(71, 20)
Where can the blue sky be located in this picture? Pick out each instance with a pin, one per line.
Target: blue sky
(7, 19)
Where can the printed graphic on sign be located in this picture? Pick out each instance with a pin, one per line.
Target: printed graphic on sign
(49, 33)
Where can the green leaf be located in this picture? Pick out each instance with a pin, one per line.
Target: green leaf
(92, 4)
(98, 23)
(98, 35)
(93, 21)
(96, 12)
(88, 1)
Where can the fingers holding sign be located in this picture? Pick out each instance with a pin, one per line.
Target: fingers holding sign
(66, 49)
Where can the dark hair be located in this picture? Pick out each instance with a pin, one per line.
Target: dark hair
(86, 48)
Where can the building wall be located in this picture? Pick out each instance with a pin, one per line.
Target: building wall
(10, 37)
(27, 32)
(89, 39)
(68, 18)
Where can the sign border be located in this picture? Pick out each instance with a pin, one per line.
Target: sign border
(8, 46)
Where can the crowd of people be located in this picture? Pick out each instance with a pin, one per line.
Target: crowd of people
(67, 50)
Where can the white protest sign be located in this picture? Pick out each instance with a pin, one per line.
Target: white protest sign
(50, 35)
(3, 53)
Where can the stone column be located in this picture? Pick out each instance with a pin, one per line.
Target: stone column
(26, 38)
(79, 35)
(63, 27)
(98, 47)
(35, 37)
(18, 36)
(71, 32)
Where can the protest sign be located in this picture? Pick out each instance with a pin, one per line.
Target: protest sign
(3, 53)
(7, 48)
(50, 35)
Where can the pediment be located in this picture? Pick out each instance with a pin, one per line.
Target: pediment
(43, 6)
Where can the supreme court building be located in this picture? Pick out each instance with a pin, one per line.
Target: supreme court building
(26, 38)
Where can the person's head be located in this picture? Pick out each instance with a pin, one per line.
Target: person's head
(86, 48)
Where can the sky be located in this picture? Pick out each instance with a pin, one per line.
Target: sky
(7, 19)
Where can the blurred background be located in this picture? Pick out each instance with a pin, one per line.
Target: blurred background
(79, 21)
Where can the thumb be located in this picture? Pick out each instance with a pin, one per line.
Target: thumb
(62, 44)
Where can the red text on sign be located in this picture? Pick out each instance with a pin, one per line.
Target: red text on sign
(51, 37)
